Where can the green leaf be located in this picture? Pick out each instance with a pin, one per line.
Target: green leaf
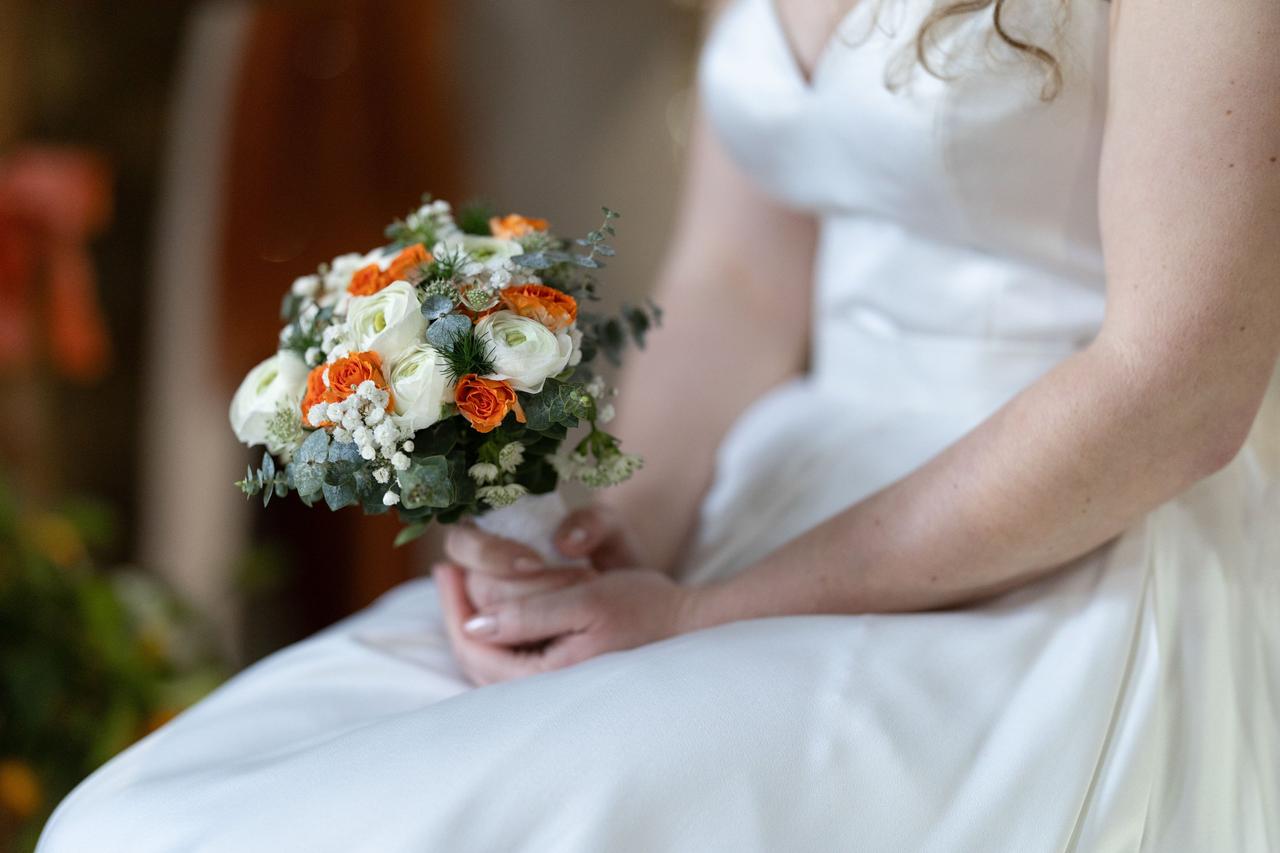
(410, 533)
(427, 483)
(443, 332)
(315, 448)
(436, 306)
(339, 495)
(558, 404)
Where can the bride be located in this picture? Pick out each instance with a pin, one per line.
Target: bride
(968, 374)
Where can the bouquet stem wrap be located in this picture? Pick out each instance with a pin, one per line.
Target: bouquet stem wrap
(532, 521)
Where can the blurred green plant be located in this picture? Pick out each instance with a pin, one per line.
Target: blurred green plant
(91, 659)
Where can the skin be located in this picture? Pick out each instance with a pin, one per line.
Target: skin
(1163, 397)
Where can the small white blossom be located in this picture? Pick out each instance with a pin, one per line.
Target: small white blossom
(382, 475)
(390, 498)
(376, 416)
(407, 447)
(510, 456)
(385, 433)
(341, 436)
(483, 473)
(606, 413)
(313, 356)
(500, 496)
(306, 285)
(316, 414)
(368, 453)
(400, 462)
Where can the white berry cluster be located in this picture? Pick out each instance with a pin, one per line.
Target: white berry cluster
(361, 419)
(608, 470)
(488, 474)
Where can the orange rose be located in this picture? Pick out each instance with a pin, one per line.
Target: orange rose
(552, 308)
(485, 402)
(513, 226)
(346, 374)
(316, 392)
(368, 280)
(407, 262)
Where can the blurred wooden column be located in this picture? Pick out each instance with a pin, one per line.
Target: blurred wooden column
(301, 128)
(343, 118)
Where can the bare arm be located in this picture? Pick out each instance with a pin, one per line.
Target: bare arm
(735, 294)
(1190, 205)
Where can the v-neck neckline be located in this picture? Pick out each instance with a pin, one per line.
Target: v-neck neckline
(808, 78)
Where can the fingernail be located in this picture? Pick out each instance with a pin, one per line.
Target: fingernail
(576, 536)
(480, 625)
(526, 564)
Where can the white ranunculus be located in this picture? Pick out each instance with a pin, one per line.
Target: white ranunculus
(524, 351)
(420, 386)
(489, 251)
(277, 382)
(387, 322)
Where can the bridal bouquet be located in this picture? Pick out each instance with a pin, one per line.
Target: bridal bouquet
(441, 375)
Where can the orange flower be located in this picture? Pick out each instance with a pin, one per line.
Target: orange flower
(368, 280)
(20, 791)
(407, 262)
(317, 392)
(346, 374)
(552, 308)
(513, 226)
(485, 402)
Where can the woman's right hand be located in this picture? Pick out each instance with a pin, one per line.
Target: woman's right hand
(499, 570)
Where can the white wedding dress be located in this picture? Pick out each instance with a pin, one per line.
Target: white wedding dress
(1129, 702)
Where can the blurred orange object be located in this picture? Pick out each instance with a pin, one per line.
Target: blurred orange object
(52, 201)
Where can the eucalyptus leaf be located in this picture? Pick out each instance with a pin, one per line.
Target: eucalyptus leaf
(340, 495)
(436, 306)
(532, 260)
(427, 483)
(442, 333)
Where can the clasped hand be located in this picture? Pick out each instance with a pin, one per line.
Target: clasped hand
(508, 614)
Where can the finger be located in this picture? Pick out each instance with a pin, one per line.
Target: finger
(477, 551)
(585, 530)
(482, 663)
(485, 591)
(597, 532)
(533, 619)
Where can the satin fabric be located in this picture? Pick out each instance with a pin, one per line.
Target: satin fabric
(1128, 702)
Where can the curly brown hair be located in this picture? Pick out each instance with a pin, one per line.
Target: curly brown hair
(1053, 70)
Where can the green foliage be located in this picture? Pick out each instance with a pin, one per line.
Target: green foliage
(473, 217)
(266, 481)
(560, 404)
(456, 341)
(91, 659)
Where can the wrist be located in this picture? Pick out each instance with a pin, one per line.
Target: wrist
(700, 608)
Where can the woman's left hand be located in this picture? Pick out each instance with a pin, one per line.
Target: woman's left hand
(617, 610)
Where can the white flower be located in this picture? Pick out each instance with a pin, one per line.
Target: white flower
(510, 456)
(400, 462)
(420, 387)
(382, 475)
(575, 338)
(390, 498)
(338, 277)
(306, 285)
(278, 381)
(490, 252)
(387, 322)
(525, 352)
(606, 413)
(483, 472)
(500, 496)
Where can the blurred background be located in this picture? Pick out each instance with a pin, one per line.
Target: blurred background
(166, 170)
